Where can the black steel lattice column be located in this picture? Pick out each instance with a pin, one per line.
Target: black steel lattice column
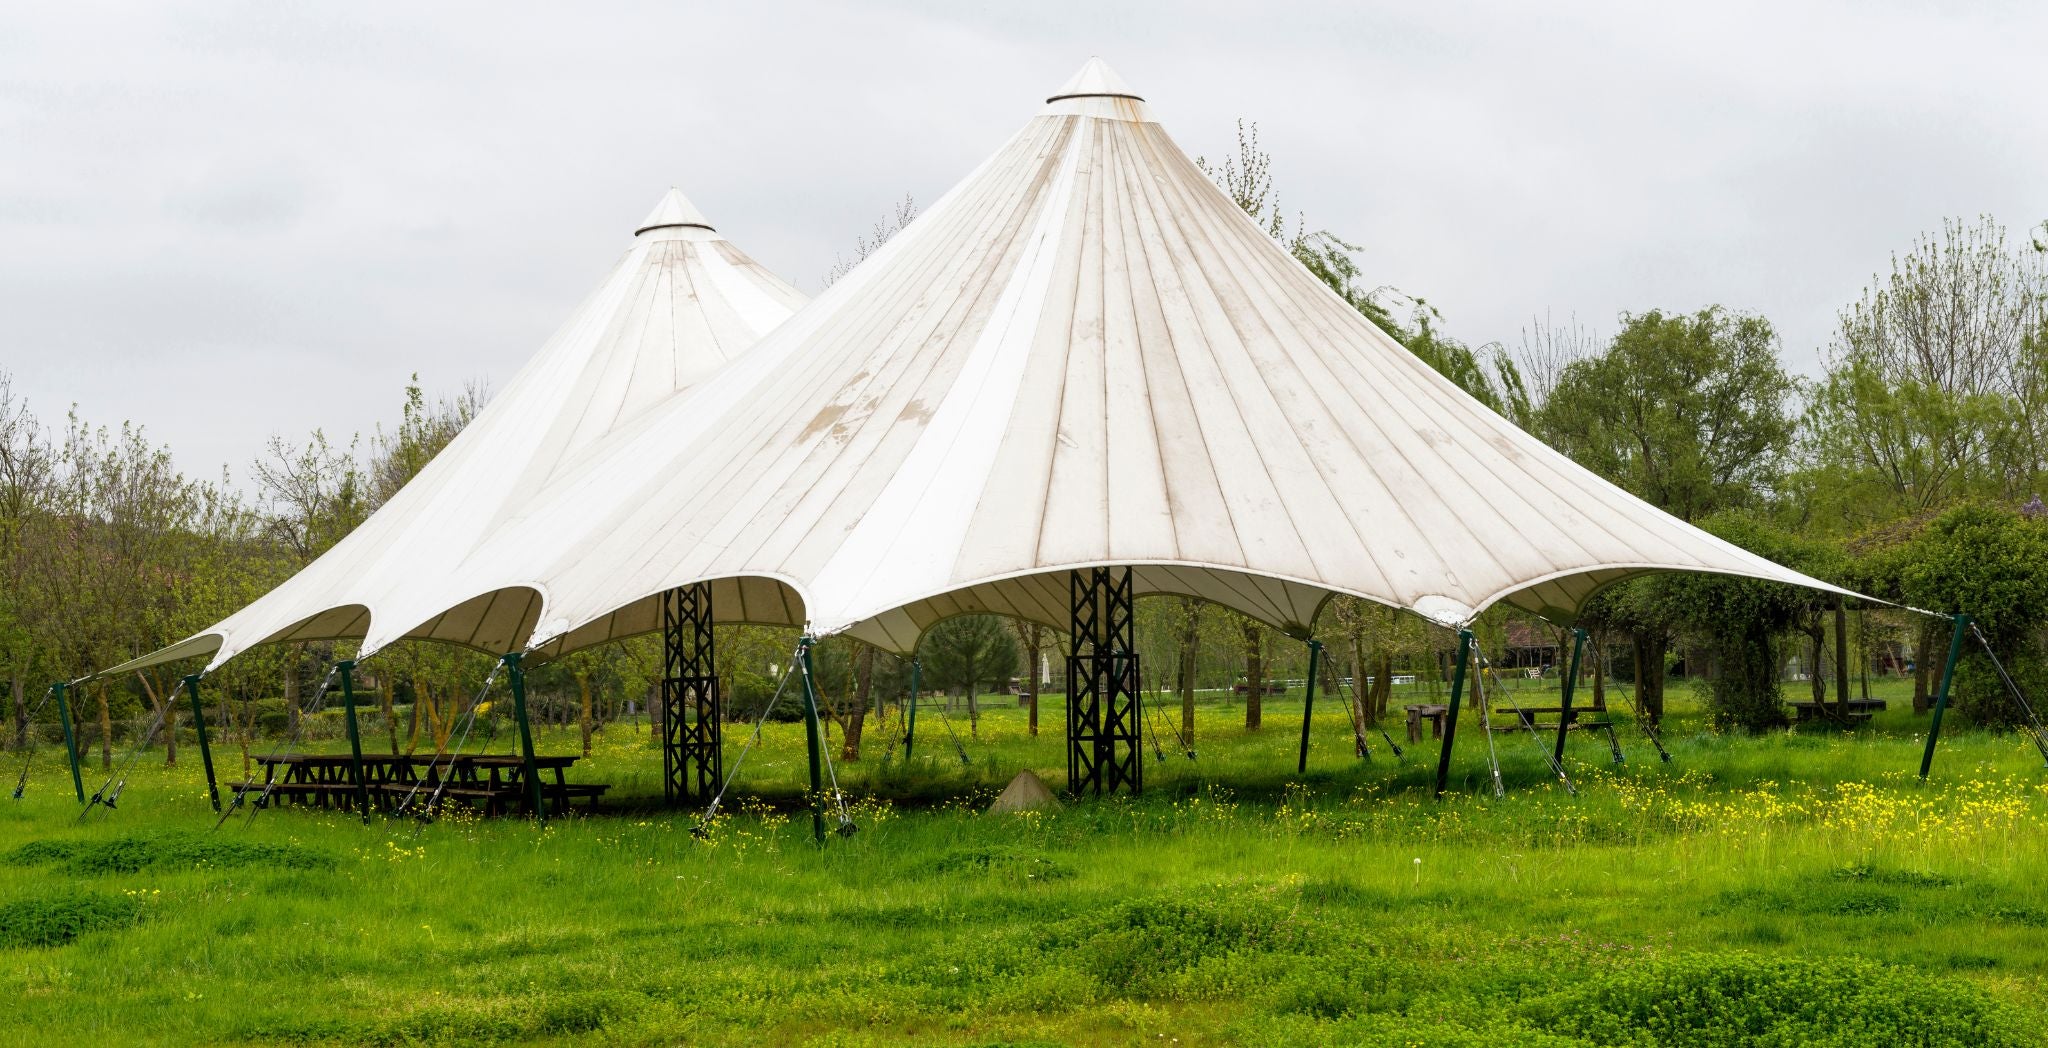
(1103, 711)
(692, 717)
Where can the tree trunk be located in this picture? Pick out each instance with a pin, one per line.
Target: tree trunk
(1817, 683)
(1254, 675)
(1034, 650)
(583, 691)
(291, 689)
(863, 694)
(1364, 688)
(1863, 651)
(1190, 647)
(1922, 669)
(437, 724)
(973, 710)
(1330, 688)
(1842, 657)
(412, 728)
(1383, 686)
(164, 711)
(390, 712)
(248, 738)
(106, 730)
(1649, 652)
(20, 714)
(1600, 674)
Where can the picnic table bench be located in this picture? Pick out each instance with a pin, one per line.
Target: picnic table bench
(1273, 687)
(1858, 711)
(492, 783)
(1528, 715)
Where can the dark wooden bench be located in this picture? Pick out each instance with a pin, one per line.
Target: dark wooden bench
(1272, 688)
(1580, 718)
(321, 793)
(1859, 710)
(589, 791)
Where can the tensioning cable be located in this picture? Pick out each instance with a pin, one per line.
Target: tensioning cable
(441, 749)
(28, 759)
(117, 778)
(1182, 741)
(947, 720)
(1649, 730)
(241, 792)
(846, 827)
(1486, 724)
(1529, 723)
(711, 811)
(1356, 707)
(2040, 738)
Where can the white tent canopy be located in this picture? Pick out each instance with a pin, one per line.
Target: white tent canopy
(680, 304)
(1085, 354)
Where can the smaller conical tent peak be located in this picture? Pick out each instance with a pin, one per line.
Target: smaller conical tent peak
(674, 211)
(1095, 80)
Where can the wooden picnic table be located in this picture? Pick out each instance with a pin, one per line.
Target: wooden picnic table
(1436, 712)
(1858, 710)
(494, 782)
(1527, 715)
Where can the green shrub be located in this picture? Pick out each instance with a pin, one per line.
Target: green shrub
(1135, 942)
(37, 853)
(1730, 999)
(1012, 862)
(166, 851)
(54, 920)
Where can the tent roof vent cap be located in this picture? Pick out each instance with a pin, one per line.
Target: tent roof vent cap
(1095, 80)
(675, 210)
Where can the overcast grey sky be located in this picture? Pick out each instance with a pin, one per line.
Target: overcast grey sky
(229, 220)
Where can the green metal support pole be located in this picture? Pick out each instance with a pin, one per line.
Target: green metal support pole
(205, 749)
(816, 741)
(1948, 674)
(910, 733)
(532, 774)
(70, 739)
(346, 668)
(1308, 703)
(1571, 681)
(1443, 760)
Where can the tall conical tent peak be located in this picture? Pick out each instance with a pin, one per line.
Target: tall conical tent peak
(674, 210)
(1095, 80)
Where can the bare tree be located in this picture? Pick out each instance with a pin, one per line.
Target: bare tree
(863, 246)
(27, 469)
(1547, 348)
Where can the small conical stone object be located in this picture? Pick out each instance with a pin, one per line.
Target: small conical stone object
(1026, 792)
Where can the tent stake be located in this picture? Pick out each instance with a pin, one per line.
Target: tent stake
(1308, 703)
(1948, 674)
(815, 743)
(205, 750)
(1571, 682)
(346, 668)
(518, 681)
(1443, 760)
(70, 739)
(910, 731)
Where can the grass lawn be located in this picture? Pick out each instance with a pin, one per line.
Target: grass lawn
(1793, 889)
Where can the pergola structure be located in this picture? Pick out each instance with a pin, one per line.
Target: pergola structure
(1083, 376)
